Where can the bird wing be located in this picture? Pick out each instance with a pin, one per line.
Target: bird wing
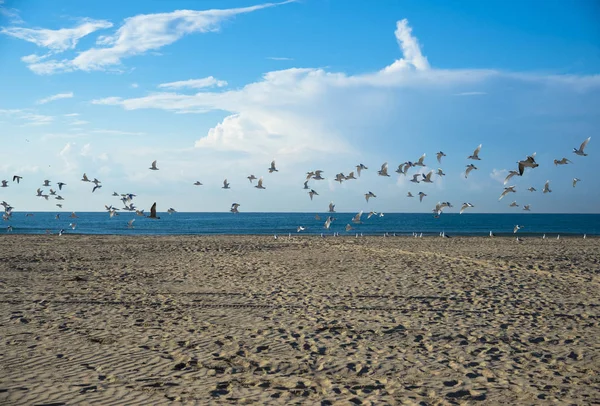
(584, 143)
(154, 164)
(476, 152)
(153, 210)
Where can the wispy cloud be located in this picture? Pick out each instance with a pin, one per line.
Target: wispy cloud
(12, 14)
(58, 96)
(115, 132)
(279, 58)
(499, 175)
(138, 35)
(470, 94)
(27, 117)
(79, 122)
(134, 85)
(194, 83)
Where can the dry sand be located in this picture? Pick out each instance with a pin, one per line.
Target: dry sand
(234, 320)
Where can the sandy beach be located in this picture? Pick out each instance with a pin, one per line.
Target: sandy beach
(253, 320)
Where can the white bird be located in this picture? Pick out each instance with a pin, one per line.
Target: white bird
(510, 189)
(225, 185)
(371, 213)
(197, 183)
(369, 195)
(384, 170)
(526, 207)
(415, 178)
(421, 196)
(331, 207)
(510, 175)
(547, 187)
(517, 228)
(312, 193)
(528, 162)
(348, 227)
(513, 204)
(409, 194)
(251, 178)
(475, 155)
(300, 228)
(427, 178)
(356, 218)
(575, 180)
(532, 189)
(234, 208)
(260, 184)
(328, 222)
(153, 167)
(130, 223)
(563, 161)
(350, 176)
(558, 237)
(464, 207)
(359, 168)
(439, 156)
(440, 172)
(582, 147)
(272, 167)
(420, 161)
(491, 233)
(470, 167)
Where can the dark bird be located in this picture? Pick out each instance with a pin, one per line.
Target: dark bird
(153, 212)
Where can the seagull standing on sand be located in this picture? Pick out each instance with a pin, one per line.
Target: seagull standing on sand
(582, 147)
(153, 166)
(475, 155)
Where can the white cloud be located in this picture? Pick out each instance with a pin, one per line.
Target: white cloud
(410, 49)
(55, 97)
(138, 35)
(57, 40)
(279, 58)
(79, 122)
(116, 132)
(11, 13)
(194, 83)
(499, 175)
(71, 115)
(470, 94)
(134, 85)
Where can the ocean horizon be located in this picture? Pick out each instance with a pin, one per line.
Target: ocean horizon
(263, 223)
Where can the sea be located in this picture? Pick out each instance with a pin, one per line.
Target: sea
(452, 224)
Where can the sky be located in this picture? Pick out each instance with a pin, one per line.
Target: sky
(218, 89)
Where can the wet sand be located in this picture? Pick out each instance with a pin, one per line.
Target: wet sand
(252, 320)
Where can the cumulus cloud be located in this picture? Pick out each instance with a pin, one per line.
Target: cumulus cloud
(209, 81)
(137, 35)
(55, 97)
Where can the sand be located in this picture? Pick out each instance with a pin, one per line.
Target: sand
(252, 320)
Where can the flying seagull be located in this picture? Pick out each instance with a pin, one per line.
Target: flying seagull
(547, 187)
(312, 193)
(260, 184)
(427, 178)
(582, 147)
(153, 167)
(510, 175)
(470, 167)
(197, 183)
(528, 162)
(439, 156)
(306, 185)
(171, 210)
(46, 183)
(225, 185)
(440, 172)
(475, 155)
(153, 212)
(563, 161)
(331, 207)
(4, 183)
(421, 196)
(17, 178)
(369, 195)
(272, 168)
(527, 207)
(96, 187)
(251, 178)
(575, 180)
(464, 207)
(130, 223)
(60, 185)
(384, 170)
(85, 178)
(532, 189)
(420, 161)
(359, 168)
(415, 178)
(318, 175)
(409, 194)
(510, 189)
(513, 204)
(356, 219)
(234, 208)
(517, 228)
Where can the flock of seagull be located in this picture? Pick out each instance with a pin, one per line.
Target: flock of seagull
(316, 175)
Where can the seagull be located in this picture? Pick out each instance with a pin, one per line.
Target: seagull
(526, 207)
(317, 217)
(356, 218)
(251, 178)
(153, 167)
(310, 175)
(85, 178)
(260, 184)
(328, 222)
(475, 155)
(528, 162)
(409, 194)
(57, 217)
(4, 183)
(439, 156)
(312, 193)
(415, 178)
(470, 167)
(306, 185)
(464, 207)
(340, 178)
(511, 174)
(547, 187)
(563, 161)
(513, 204)
(59, 197)
(427, 178)
(39, 192)
(60, 185)
(348, 227)
(171, 210)
(532, 189)
(234, 208)
(510, 189)
(17, 178)
(138, 212)
(115, 194)
(130, 223)
(517, 228)
(153, 212)
(9, 229)
(300, 228)
(371, 213)
(73, 215)
(421, 196)
(384, 170)
(440, 172)
(331, 207)
(46, 183)
(318, 175)
(401, 169)
(96, 182)
(575, 180)
(59, 205)
(350, 176)
(420, 161)
(197, 183)
(73, 225)
(369, 195)
(582, 147)
(96, 187)
(272, 168)
(359, 168)
(225, 185)
(491, 234)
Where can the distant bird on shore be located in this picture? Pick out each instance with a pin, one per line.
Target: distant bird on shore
(225, 185)
(439, 156)
(272, 167)
(582, 147)
(153, 212)
(475, 155)
(153, 166)
(17, 178)
(575, 180)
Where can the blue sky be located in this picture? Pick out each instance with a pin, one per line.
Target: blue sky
(217, 89)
